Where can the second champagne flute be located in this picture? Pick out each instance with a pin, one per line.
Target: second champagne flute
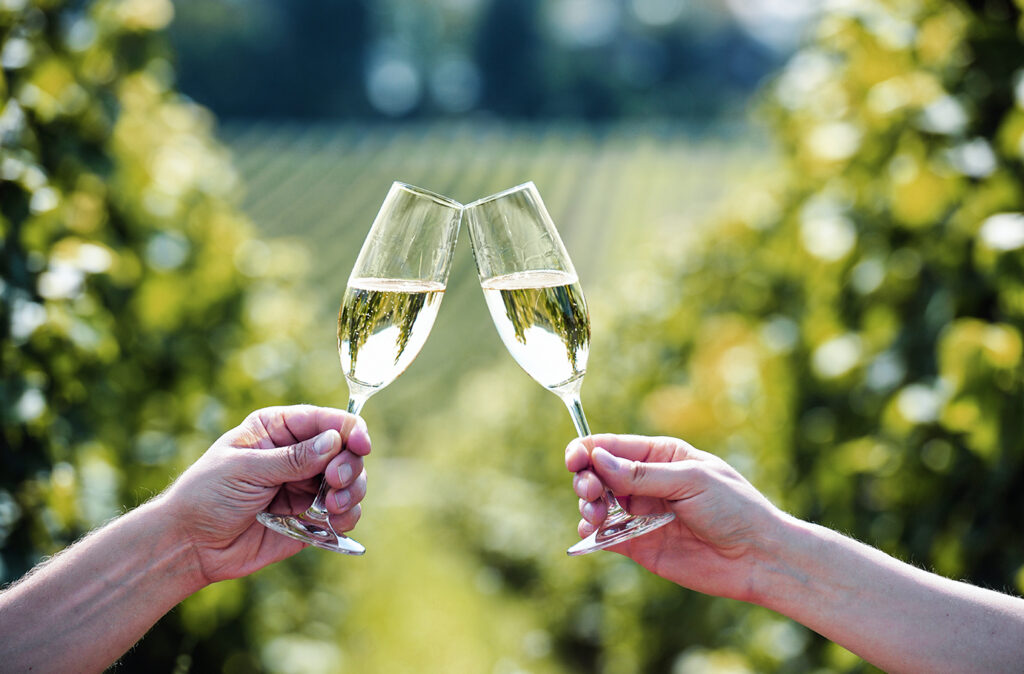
(389, 306)
(537, 305)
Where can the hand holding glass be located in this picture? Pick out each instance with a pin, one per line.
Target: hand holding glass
(389, 307)
(537, 305)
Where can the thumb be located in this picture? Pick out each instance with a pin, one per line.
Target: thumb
(300, 461)
(673, 481)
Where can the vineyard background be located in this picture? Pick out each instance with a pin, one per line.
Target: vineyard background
(616, 195)
(620, 197)
(830, 298)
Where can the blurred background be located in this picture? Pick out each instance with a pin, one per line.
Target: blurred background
(798, 226)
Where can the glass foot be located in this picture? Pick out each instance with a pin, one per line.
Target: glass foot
(619, 529)
(314, 532)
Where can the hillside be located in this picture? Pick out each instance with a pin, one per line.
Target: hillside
(617, 195)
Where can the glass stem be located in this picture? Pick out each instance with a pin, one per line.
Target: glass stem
(355, 404)
(318, 510)
(579, 419)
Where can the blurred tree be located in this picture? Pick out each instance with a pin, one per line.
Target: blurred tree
(344, 59)
(509, 51)
(850, 338)
(295, 60)
(132, 296)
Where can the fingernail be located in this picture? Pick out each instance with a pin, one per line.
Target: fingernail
(344, 473)
(342, 498)
(325, 443)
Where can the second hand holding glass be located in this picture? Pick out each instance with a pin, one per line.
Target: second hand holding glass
(537, 305)
(389, 307)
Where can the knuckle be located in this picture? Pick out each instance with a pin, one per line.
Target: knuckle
(638, 471)
(295, 457)
(253, 420)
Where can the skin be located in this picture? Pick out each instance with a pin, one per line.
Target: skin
(85, 607)
(729, 540)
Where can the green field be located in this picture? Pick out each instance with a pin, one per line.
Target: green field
(618, 196)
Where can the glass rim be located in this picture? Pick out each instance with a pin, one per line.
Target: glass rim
(528, 185)
(433, 196)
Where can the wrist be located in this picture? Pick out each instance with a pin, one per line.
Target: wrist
(180, 550)
(782, 571)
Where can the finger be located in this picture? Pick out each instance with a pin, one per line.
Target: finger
(284, 426)
(676, 480)
(585, 528)
(587, 485)
(310, 486)
(343, 469)
(641, 505)
(357, 440)
(644, 448)
(594, 512)
(577, 456)
(340, 500)
(287, 425)
(300, 461)
(347, 520)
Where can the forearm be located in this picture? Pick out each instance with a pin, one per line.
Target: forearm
(89, 605)
(896, 616)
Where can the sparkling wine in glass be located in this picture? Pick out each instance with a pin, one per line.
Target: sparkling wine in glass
(389, 306)
(535, 300)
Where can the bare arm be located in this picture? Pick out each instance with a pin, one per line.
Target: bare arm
(728, 540)
(85, 607)
(895, 615)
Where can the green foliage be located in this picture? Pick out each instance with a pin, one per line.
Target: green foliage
(849, 336)
(134, 303)
(140, 321)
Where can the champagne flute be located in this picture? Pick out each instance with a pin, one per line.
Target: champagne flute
(537, 305)
(389, 306)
